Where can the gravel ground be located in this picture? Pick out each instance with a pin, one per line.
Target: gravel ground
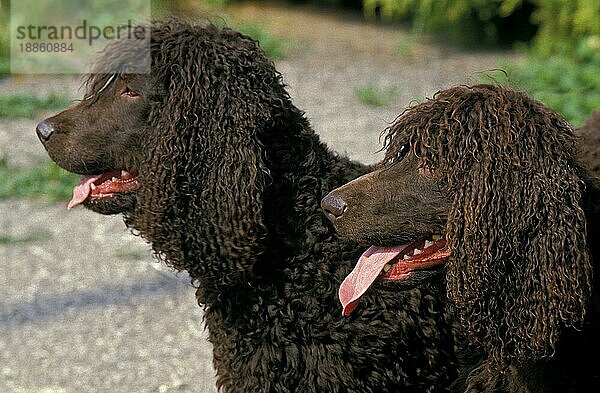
(83, 305)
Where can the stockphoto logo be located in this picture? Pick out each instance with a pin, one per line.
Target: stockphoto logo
(84, 31)
(65, 37)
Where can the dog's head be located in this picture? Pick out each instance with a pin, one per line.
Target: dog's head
(179, 149)
(484, 183)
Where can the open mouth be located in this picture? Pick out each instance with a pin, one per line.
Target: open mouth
(103, 186)
(394, 263)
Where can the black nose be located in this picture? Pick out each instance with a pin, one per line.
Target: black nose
(44, 130)
(333, 205)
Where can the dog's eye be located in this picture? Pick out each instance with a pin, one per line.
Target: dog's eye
(129, 93)
(400, 154)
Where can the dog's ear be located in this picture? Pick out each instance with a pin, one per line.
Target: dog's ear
(520, 268)
(206, 154)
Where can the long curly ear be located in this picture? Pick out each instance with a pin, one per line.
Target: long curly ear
(206, 166)
(520, 269)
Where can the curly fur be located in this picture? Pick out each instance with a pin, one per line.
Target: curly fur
(521, 225)
(230, 176)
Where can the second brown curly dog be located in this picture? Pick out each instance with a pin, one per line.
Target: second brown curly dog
(482, 187)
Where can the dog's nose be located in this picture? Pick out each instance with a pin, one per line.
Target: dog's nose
(333, 205)
(44, 130)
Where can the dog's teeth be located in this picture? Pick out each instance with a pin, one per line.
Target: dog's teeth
(428, 243)
(114, 178)
(387, 268)
(417, 251)
(124, 173)
(93, 186)
(406, 257)
(435, 238)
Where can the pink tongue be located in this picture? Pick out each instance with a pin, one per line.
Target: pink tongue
(82, 190)
(369, 266)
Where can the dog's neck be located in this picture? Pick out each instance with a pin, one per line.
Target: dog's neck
(295, 222)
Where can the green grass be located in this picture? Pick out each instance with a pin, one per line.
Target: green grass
(27, 105)
(405, 47)
(274, 47)
(568, 85)
(44, 181)
(377, 97)
(31, 238)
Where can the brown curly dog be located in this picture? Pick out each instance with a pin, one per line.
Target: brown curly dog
(209, 160)
(482, 188)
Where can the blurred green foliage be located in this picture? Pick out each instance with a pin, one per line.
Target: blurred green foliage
(556, 24)
(27, 105)
(563, 23)
(462, 21)
(569, 85)
(45, 181)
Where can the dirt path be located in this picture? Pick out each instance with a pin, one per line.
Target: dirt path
(83, 306)
(338, 53)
